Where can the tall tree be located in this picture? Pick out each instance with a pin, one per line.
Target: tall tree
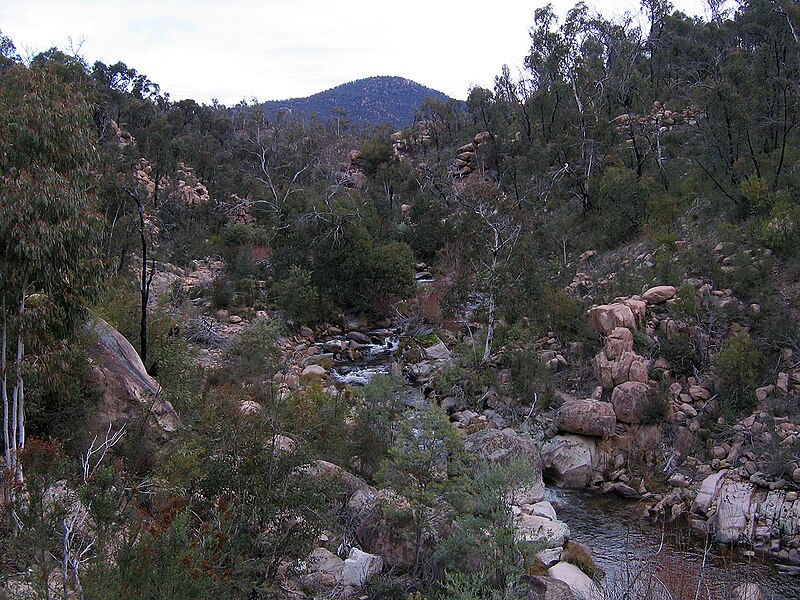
(48, 229)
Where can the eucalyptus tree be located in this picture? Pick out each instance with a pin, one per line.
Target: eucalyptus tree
(48, 229)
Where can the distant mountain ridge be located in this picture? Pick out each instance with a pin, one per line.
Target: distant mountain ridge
(375, 100)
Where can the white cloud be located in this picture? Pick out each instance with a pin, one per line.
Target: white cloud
(289, 48)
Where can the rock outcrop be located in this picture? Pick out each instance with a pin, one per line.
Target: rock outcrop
(126, 391)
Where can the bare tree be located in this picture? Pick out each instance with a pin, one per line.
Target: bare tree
(497, 231)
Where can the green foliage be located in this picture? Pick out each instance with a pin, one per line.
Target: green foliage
(177, 374)
(319, 419)
(374, 153)
(359, 274)
(565, 316)
(376, 422)
(781, 229)
(299, 298)
(254, 356)
(483, 549)
(655, 409)
(429, 230)
(679, 350)
(424, 465)
(621, 203)
(222, 294)
(163, 564)
(238, 241)
(738, 367)
(756, 194)
(529, 377)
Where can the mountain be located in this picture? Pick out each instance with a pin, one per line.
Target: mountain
(375, 100)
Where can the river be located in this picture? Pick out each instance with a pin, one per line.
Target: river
(626, 545)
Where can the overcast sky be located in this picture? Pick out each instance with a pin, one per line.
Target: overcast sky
(277, 49)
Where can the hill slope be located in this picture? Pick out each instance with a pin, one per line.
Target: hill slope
(375, 100)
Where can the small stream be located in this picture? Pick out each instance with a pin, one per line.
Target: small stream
(624, 544)
(376, 359)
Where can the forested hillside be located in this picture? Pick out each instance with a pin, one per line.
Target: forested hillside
(376, 100)
(251, 354)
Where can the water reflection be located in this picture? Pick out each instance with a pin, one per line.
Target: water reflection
(629, 548)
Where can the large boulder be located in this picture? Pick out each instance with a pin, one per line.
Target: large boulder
(547, 588)
(541, 531)
(709, 490)
(630, 367)
(629, 399)
(387, 531)
(607, 317)
(587, 417)
(659, 294)
(360, 567)
(323, 570)
(438, 351)
(126, 391)
(578, 581)
(349, 484)
(504, 447)
(619, 341)
(733, 520)
(569, 460)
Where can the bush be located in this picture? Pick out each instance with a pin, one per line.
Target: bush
(221, 293)
(781, 230)
(621, 202)
(680, 353)
(319, 419)
(655, 409)
(376, 417)
(254, 355)
(299, 298)
(737, 368)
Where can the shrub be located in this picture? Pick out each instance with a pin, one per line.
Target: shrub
(680, 353)
(255, 355)
(299, 298)
(781, 230)
(376, 417)
(737, 367)
(221, 293)
(655, 409)
(621, 201)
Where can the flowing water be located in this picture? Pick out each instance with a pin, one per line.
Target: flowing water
(625, 545)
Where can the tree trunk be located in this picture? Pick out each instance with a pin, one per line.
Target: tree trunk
(19, 395)
(4, 388)
(487, 350)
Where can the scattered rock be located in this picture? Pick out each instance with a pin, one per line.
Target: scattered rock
(313, 372)
(541, 531)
